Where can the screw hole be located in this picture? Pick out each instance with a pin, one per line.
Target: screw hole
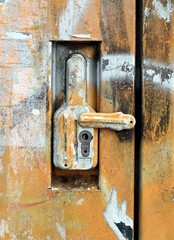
(131, 121)
(66, 165)
(85, 151)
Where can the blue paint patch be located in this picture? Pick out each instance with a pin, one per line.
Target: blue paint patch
(2, 1)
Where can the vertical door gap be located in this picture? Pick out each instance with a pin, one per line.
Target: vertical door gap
(138, 113)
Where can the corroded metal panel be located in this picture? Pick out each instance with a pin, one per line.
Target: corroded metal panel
(157, 196)
(30, 207)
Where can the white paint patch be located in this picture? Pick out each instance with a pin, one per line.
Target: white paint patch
(4, 1)
(1, 194)
(147, 11)
(36, 112)
(61, 231)
(13, 237)
(80, 201)
(18, 35)
(49, 238)
(164, 12)
(3, 228)
(114, 213)
(122, 67)
(82, 36)
(1, 167)
(117, 66)
(70, 18)
(150, 72)
(159, 73)
(28, 234)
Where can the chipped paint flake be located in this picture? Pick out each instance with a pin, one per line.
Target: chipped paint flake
(81, 36)
(28, 234)
(13, 236)
(147, 11)
(18, 35)
(150, 72)
(61, 231)
(117, 218)
(164, 12)
(1, 167)
(3, 228)
(36, 112)
(80, 201)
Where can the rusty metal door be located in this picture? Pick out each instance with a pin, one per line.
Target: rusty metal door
(42, 43)
(64, 65)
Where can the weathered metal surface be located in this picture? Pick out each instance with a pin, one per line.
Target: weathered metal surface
(157, 199)
(30, 207)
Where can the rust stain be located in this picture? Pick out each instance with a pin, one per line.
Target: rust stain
(27, 205)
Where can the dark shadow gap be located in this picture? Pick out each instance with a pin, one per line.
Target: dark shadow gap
(138, 114)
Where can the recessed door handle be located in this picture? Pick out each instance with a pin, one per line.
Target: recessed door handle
(76, 123)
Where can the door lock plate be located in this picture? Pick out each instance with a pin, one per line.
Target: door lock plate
(76, 123)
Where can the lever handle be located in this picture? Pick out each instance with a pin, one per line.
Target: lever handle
(116, 121)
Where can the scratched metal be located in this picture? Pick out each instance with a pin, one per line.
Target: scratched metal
(30, 208)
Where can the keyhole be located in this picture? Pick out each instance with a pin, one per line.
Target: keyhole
(85, 136)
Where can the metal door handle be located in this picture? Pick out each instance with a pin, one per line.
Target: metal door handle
(116, 121)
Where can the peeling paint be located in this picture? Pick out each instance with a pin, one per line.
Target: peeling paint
(61, 231)
(146, 11)
(80, 201)
(2, 150)
(117, 218)
(4, 229)
(1, 167)
(82, 36)
(28, 234)
(18, 35)
(36, 112)
(164, 12)
(13, 237)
